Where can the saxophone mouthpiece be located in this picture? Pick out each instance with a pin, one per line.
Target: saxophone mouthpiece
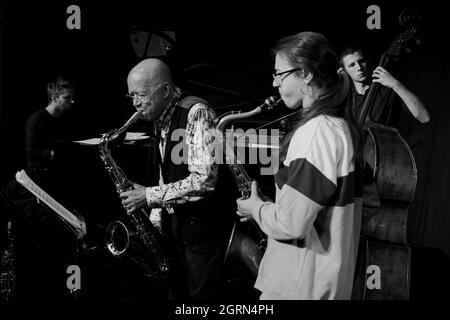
(139, 113)
(271, 102)
(134, 117)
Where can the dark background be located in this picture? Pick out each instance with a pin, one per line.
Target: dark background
(225, 45)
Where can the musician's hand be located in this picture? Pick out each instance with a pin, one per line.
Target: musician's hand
(245, 206)
(136, 185)
(134, 199)
(383, 77)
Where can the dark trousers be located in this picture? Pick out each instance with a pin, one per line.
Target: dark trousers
(198, 271)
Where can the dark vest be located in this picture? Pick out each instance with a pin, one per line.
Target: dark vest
(211, 217)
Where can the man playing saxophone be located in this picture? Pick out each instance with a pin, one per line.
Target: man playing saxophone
(189, 194)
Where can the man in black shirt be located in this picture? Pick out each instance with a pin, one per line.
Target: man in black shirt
(17, 204)
(355, 64)
(42, 126)
(40, 130)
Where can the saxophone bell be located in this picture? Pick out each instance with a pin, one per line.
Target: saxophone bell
(117, 238)
(243, 248)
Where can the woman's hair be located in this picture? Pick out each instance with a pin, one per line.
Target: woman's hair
(313, 53)
(57, 86)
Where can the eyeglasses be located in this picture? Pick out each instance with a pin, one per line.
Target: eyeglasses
(141, 97)
(277, 77)
(70, 99)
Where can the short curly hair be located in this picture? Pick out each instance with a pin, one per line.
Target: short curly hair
(57, 86)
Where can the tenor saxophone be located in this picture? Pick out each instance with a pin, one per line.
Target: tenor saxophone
(142, 237)
(240, 245)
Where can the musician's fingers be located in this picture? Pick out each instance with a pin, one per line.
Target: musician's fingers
(376, 77)
(254, 187)
(126, 203)
(239, 202)
(240, 214)
(123, 195)
(136, 185)
(381, 73)
(244, 217)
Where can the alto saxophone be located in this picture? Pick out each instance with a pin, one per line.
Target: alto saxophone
(146, 244)
(240, 245)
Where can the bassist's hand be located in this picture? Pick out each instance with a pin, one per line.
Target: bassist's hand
(383, 77)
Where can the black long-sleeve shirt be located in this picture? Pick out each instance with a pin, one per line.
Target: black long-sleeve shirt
(39, 133)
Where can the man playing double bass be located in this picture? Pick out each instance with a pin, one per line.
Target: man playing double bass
(356, 65)
(389, 170)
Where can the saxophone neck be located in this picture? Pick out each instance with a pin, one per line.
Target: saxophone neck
(136, 116)
(119, 178)
(269, 103)
(114, 133)
(238, 171)
(223, 121)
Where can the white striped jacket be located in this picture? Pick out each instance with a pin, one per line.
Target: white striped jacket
(313, 227)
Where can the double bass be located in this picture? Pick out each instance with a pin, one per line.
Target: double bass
(384, 257)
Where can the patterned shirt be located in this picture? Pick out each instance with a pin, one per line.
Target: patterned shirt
(203, 170)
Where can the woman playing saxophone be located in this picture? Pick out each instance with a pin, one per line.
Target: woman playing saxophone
(313, 225)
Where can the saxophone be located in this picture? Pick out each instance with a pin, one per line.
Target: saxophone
(8, 270)
(240, 245)
(145, 239)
